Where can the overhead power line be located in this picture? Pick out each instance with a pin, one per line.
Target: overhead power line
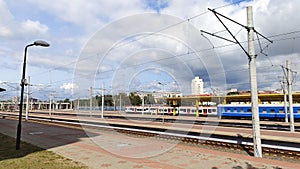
(165, 28)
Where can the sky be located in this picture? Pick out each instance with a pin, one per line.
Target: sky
(143, 45)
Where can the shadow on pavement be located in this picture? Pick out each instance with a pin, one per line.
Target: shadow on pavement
(45, 136)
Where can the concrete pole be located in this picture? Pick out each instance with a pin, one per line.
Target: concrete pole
(31, 105)
(120, 103)
(50, 104)
(163, 120)
(102, 101)
(78, 105)
(143, 103)
(289, 76)
(91, 99)
(253, 85)
(284, 99)
(115, 108)
(27, 101)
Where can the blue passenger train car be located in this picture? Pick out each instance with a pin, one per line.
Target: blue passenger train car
(270, 111)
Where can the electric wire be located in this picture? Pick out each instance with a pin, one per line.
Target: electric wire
(165, 28)
(214, 47)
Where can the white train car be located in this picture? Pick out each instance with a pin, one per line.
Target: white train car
(168, 110)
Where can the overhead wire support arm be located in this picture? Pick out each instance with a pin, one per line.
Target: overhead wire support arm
(212, 34)
(216, 13)
(246, 27)
(236, 41)
(263, 36)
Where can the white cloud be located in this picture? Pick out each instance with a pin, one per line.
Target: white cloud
(33, 27)
(90, 15)
(11, 28)
(69, 24)
(68, 86)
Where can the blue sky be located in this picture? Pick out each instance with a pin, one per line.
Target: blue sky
(70, 26)
(157, 5)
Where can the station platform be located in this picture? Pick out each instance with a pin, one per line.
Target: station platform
(98, 148)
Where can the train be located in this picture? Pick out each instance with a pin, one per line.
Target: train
(168, 110)
(267, 111)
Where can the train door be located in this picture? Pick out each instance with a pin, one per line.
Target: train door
(205, 112)
(188, 111)
(169, 111)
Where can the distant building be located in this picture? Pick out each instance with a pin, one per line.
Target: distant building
(197, 86)
(231, 90)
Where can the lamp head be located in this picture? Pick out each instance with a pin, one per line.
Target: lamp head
(41, 43)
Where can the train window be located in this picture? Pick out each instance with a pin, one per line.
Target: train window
(298, 111)
(209, 110)
(264, 111)
(200, 111)
(227, 110)
(242, 110)
(214, 110)
(234, 110)
(248, 110)
(272, 111)
(281, 111)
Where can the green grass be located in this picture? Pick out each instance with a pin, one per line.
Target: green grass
(31, 157)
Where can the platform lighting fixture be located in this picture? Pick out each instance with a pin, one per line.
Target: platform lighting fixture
(23, 81)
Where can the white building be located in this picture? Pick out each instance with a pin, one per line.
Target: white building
(197, 86)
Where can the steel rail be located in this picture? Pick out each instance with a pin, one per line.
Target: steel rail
(214, 138)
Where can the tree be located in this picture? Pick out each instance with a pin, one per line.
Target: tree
(232, 93)
(67, 100)
(108, 100)
(135, 99)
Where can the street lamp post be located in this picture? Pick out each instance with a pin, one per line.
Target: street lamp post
(23, 81)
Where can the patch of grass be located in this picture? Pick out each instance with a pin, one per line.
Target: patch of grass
(31, 157)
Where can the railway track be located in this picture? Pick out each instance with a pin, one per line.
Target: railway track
(270, 148)
(276, 127)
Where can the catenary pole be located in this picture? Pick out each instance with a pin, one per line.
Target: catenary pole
(102, 101)
(50, 104)
(289, 81)
(253, 85)
(91, 100)
(120, 102)
(284, 99)
(78, 105)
